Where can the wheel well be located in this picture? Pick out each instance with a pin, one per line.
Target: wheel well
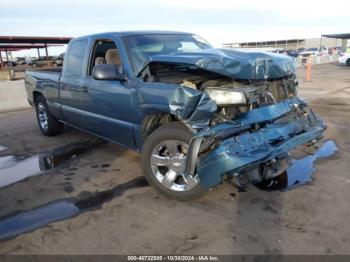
(36, 94)
(153, 121)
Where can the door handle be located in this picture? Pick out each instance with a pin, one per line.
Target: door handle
(85, 89)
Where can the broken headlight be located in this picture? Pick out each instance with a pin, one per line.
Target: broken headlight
(225, 97)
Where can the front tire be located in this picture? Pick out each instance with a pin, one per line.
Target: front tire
(163, 159)
(348, 62)
(48, 124)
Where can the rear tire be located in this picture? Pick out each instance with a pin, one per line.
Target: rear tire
(156, 147)
(48, 124)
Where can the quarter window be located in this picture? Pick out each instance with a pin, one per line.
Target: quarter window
(75, 58)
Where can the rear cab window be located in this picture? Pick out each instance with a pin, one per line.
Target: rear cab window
(74, 64)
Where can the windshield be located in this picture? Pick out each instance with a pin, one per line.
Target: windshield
(312, 49)
(141, 47)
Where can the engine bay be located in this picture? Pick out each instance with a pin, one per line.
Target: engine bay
(232, 96)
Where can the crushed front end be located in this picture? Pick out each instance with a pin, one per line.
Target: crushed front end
(256, 145)
(243, 110)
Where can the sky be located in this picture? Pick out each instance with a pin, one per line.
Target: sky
(218, 21)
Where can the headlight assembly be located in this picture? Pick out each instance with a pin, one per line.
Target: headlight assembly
(224, 96)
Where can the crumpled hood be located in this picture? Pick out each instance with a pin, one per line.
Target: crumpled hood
(233, 64)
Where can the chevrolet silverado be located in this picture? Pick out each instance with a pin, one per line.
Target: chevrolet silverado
(197, 114)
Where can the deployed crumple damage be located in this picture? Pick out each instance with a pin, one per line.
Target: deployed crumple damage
(232, 63)
(193, 107)
(257, 141)
(239, 147)
(285, 126)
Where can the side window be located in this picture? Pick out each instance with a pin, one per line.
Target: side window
(75, 58)
(105, 51)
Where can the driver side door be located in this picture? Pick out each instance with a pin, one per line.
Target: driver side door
(107, 103)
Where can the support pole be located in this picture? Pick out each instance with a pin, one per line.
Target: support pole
(0, 59)
(38, 53)
(47, 55)
(7, 58)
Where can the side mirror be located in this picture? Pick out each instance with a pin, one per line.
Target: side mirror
(107, 72)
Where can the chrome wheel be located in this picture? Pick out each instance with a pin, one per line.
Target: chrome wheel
(42, 116)
(168, 161)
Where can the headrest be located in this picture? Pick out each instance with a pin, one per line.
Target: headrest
(113, 57)
(100, 60)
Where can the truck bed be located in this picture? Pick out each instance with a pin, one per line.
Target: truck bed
(45, 79)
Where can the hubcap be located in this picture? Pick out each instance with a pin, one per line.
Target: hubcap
(168, 161)
(42, 115)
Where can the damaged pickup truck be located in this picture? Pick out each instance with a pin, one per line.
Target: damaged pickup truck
(197, 114)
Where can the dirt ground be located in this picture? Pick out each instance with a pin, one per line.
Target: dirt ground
(129, 217)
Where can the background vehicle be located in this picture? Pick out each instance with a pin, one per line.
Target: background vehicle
(59, 60)
(302, 49)
(278, 51)
(194, 123)
(313, 51)
(293, 53)
(42, 61)
(9, 63)
(344, 59)
(337, 50)
(21, 61)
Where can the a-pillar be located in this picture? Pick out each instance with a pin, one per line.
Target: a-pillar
(0, 59)
(47, 54)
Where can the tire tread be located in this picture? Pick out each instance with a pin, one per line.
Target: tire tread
(55, 127)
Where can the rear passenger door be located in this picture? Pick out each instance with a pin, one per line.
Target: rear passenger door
(73, 82)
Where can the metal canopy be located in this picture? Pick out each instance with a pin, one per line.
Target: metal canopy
(34, 40)
(339, 36)
(16, 43)
(13, 47)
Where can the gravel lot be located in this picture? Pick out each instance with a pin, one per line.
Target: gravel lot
(118, 213)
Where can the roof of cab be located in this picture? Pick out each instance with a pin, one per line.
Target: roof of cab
(125, 33)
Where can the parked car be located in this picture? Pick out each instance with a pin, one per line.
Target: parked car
(293, 53)
(337, 50)
(9, 63)
(301, 49)
(196, 114)
(344, 59)
(278, 51)
(59, 60)
(313, 51)
(41, 61)
(21, 61)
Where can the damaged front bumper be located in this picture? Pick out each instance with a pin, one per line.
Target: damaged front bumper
(257, 137)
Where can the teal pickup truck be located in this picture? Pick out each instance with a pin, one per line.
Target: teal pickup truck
(197, 114)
